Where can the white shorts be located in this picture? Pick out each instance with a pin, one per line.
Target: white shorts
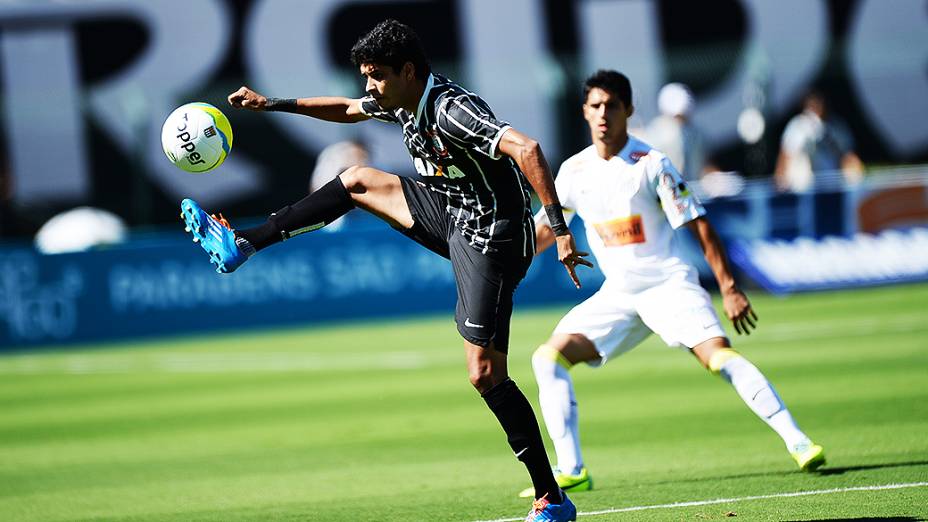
(679, 310)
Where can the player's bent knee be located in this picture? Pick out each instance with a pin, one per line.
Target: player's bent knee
(353, 178)
(482, 380)
(548, 353)
(719, 358)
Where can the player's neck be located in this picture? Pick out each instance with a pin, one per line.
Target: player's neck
(607, 148)
(412, 104)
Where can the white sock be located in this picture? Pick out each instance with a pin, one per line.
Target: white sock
(559, 408)
(757, 392)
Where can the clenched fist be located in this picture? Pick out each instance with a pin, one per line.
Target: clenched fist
(245, 98)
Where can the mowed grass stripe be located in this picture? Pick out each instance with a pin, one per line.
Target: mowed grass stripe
(243, 409)
(269, 399)
(277, 361)
(123, 395)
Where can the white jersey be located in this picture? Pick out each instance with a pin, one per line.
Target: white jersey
(630, 204)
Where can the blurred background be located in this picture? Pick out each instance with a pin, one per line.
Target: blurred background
(801, 124)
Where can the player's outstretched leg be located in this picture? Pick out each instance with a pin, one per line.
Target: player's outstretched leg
(228, 248)
(757, 392)
(559, 410)
(215, 235)
(544, 511)
(313, 212)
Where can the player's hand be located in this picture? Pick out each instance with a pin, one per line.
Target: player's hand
(739, 311)
(568, 255)
(245, 98)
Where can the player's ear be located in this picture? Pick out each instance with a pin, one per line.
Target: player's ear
(409, 71)
(629, 111)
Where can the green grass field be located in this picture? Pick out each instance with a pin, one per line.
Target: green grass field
(377, 421)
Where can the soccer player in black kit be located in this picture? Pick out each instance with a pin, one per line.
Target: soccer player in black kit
(470, 203)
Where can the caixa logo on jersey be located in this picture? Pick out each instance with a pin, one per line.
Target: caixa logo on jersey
(429, 170)
(33, 309)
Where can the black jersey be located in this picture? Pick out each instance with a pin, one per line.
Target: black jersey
(453, 139)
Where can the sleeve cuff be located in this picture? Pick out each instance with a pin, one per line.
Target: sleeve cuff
(362, 108)
(699, 212)
(494, 147)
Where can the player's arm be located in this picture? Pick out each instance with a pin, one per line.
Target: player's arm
(737, 307)
(544, 236)
(531, 160)
(329, 108)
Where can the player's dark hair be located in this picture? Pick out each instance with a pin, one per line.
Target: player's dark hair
(391, 43)
(613, 82)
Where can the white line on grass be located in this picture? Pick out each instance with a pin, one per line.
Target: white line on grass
(736, 499)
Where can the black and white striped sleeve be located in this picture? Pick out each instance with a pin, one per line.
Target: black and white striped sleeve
(370, 107)
(468, 122)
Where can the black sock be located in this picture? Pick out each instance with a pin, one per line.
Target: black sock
(515, 414)
(313, 212)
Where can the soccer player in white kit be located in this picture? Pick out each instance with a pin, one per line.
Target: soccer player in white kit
(631, 198)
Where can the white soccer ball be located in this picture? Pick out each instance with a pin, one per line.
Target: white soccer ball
(196, 137)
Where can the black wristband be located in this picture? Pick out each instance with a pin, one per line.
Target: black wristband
(556, 219)
(281, 104)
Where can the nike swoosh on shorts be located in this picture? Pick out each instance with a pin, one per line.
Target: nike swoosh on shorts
(470, 324)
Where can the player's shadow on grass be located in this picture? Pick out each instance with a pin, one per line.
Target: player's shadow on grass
(824, 471)
(845, 469)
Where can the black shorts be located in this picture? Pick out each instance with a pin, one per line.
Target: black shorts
(485, 282)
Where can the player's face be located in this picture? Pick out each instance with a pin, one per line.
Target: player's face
(389, 87)
(606, 115)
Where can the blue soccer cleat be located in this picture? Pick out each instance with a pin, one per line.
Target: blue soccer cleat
(544, 511)
(215, 235)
